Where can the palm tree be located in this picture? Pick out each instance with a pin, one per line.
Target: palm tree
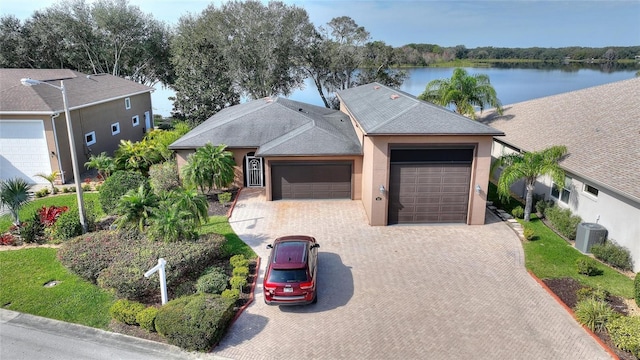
(189, 200)
(210, 166)
(103, 163)
(50, 178)
(14, 193)
(464, 91)
(529, 166)
(170, 223)
(136, 207)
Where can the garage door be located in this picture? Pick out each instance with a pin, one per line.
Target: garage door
(310, 180)
(435, 191)
(23, 150)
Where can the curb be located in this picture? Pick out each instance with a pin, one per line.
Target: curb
(570, 311)
(233, 204)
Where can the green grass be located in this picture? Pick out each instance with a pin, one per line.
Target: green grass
(70, 200)
(22, 276)
(550, 256)
(234, 245)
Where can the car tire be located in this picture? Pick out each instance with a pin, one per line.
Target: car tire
(315, 299)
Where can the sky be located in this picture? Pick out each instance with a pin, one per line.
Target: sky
(506, 23)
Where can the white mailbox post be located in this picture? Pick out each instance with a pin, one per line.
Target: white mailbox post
(163, 278)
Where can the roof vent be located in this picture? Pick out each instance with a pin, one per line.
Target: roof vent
(394, 96)
(376, 87)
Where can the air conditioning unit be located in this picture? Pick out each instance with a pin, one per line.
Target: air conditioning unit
(589, 234)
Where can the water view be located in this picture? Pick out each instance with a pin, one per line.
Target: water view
(512, 84)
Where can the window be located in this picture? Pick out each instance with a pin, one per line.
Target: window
(135, 121)
(591, 190)
(90, 138)
(115, 128)
(127, 103)
(564, 193)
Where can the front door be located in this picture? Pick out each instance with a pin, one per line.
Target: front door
(254, 171)
(147, 120)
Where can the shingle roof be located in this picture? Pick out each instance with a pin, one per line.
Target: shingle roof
(277, 127)
(81, 89)
(381, 110)
(599, 125)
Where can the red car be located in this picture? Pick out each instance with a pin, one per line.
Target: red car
(291, 275)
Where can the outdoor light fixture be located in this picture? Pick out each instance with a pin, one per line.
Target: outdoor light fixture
(381, 189)
(74, 158)
(478, 189)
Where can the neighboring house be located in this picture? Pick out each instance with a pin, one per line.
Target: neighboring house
(600, 126)
(33, 133)
(408, 161)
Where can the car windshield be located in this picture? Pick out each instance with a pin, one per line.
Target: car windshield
(288, 275)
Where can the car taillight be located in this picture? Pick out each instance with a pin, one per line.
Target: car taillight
(306, 285)
(270, 288)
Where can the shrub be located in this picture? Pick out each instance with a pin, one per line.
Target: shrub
(238, 260)
(117, 185)
(42, 192)
(562, 220)
(86, 187)
(528, 233)
(591, 293)
(543, 205)
(587, 266)
(91, 253)
(7, 239)
(67, 226)
(32, 230)
(636, 284)
(126, 311)
(214, 281)
(625, 333)
(237, 282)
(49, 215)
(231, 294)
(196, 322)
(241, 271)
(613, 254)
(224, 198)
(518, 212)
(593, 314)
(66, 190)
(147, 318)
(164, 177)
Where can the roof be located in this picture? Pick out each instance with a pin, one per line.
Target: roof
(600, 126)
(277, 127)
(380, 110)
(82, 90)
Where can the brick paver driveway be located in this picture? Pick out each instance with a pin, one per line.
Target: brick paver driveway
(400, 292)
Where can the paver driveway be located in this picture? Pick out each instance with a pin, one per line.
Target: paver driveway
(400, 292)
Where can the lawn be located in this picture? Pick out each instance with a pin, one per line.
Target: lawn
(70, 200)
(23, 274)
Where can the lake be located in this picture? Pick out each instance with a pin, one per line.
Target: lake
(512, 84)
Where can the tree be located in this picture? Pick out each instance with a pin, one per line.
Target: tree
(103, 163)
(14, 194)
(529, 166)
(464, 91)
(136, 207)
(50, 178)
(376, 67)
(12, 40)
(189, 200)
(210, 166)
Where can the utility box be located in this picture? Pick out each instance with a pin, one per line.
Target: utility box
(589, 234)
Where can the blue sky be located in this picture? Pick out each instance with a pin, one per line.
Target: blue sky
(514, 23)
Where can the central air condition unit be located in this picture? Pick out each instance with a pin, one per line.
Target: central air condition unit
(589, 234)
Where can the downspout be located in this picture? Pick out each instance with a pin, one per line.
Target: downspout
(55, 140)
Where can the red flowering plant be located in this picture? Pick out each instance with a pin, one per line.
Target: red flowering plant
(49, 215)
(7, 239)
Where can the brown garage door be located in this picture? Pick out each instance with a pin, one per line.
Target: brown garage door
(311, 180)
(429, 193)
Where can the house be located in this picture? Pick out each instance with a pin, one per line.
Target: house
(406, 160)
(33, 133)
(600, 126)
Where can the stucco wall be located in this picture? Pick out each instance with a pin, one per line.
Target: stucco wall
(376, 165)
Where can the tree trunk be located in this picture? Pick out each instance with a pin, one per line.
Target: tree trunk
(529, 200)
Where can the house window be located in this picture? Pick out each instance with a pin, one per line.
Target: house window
(135, 121)
(127, 103)
(591, 190)
(90, 138)
(115, 128)
(562, 194)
